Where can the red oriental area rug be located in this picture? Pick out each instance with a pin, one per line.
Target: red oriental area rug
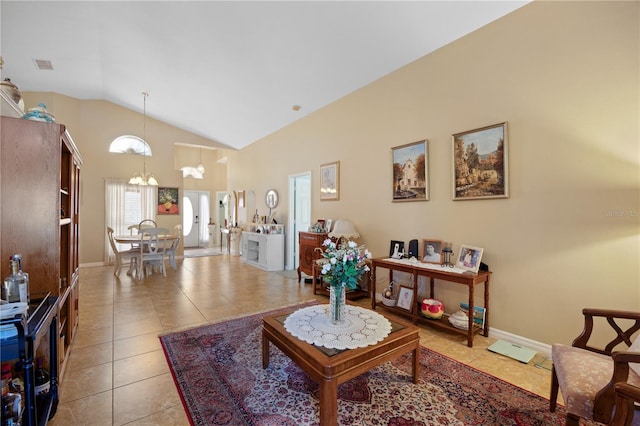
(218, 372)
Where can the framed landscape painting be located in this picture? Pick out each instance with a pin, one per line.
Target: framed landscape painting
(410, 172)
(480, 168)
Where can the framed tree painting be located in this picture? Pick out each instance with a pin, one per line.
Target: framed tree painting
(480, 168)
(330, 181)
(168, 201)
(410, 172)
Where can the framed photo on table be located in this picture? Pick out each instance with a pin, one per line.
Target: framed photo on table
(396, 249)
(432, 251)
(330, 181)
(480, 163)
(469, 258)
(405, 298)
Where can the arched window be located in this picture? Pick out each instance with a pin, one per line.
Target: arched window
(129, 144)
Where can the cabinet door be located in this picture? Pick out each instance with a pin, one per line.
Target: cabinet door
(30, 194)
(308, 254)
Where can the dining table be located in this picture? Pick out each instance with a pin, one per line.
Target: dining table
(135, 240)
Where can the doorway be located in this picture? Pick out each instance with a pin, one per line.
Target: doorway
(195, 218)
(299, 214)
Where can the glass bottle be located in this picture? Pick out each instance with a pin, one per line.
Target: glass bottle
(43, 378)
(11, 285)
(24, 289)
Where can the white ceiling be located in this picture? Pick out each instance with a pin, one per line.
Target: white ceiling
(228, 71)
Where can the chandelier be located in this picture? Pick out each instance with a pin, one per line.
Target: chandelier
(144, 178)
(200, 166)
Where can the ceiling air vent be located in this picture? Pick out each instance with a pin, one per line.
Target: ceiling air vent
(43, 64)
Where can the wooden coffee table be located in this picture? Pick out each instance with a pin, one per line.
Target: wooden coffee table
(331, 367)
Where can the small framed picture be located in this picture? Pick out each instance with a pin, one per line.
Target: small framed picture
(432, 251)
(330, 181)
(469, 258)
(168, 201)
(396, 249)
(405, 298)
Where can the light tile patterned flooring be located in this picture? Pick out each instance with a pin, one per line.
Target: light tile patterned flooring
(117, 373)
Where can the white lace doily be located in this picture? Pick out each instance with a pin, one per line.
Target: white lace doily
(362, 327)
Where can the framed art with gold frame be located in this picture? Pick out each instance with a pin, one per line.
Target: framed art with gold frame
(480, 166)
(410, 172)
(330, 181)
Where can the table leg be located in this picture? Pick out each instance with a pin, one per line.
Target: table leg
(328, 403)
(265, 350)
(486, 307)
(415, 370)
(372, 287)
(470, 318)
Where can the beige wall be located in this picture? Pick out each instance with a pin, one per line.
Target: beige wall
(565, 76)
(93, 125)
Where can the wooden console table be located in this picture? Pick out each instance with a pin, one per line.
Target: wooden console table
(419, 269)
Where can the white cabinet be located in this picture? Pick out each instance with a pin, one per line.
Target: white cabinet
(265, 251)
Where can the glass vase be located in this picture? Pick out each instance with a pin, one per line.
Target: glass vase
(337, 297)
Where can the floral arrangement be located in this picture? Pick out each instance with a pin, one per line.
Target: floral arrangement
(346, 263)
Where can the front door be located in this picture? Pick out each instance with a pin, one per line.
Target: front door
(195, 217)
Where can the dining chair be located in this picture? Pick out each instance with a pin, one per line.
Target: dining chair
(122, 255)
(153, 251)
(171, 251)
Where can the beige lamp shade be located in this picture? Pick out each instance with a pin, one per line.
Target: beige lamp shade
(343, 228)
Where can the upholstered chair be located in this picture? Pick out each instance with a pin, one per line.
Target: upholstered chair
(586, 374)
(627, 400)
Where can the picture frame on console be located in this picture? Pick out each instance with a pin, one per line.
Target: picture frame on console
(330, 181)
(480, 163)
(469, 258)
(432, 251)
(396, 249)
(410, 172)
(405, 298)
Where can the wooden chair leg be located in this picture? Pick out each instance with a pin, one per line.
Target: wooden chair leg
(553, 397)
(573, 420)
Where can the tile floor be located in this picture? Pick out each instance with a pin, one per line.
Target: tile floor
(117, 374)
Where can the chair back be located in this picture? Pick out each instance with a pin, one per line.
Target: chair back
(154, 245)
(111, 240)
(146, 224)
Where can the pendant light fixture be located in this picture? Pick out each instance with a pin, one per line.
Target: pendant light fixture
(144, 178)
(200, 166)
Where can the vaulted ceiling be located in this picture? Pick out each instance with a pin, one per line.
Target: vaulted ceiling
(230, 71)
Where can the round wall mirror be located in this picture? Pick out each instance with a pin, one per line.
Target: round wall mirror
(271, 198)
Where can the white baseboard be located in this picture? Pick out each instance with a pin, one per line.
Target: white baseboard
(540, 347)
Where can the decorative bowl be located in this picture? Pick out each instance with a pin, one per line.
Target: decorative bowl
(432, 308)
(459, 320)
